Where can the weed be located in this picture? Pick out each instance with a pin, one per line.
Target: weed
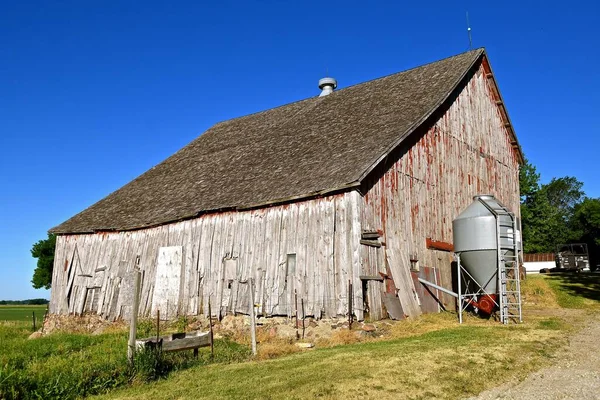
(150, 364)
(276, 349)
(145, 328)
(181, 323)
(341, 337)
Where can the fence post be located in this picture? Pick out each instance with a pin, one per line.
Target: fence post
(296, 310)
(350, 308)
(303, 315)
(134, 310)
(252, 317)
(33, 315)
(212, 347)
(157, 326)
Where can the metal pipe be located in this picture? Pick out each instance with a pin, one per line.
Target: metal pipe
(433, 285)
(460, 294)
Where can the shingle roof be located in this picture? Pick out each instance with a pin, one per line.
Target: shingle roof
(313, 146)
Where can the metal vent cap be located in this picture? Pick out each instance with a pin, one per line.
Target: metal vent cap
(327, 85)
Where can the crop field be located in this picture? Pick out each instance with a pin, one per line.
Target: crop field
(22, 313)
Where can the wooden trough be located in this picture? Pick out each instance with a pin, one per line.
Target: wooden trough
(177, 342)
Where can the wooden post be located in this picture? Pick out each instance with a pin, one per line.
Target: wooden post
(157, 327)
(33, 316)
(296, 310)
(302, 303)
(350, 310)
(137, 274)
(252, 317)
(212, 347)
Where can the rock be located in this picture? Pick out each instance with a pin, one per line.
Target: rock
(36, 335)
(305, 345)
(369, 328)
(99, 331)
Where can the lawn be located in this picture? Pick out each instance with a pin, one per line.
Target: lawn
(445, 364)
(68, 366)
(429, 357)
(22, 313)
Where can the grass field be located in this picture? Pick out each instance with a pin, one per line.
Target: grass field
(430, 357)
(22, 313)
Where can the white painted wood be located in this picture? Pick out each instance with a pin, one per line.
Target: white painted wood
(166, 286)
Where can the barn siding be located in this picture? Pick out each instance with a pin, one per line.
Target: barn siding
(323, 233)
(466, 152)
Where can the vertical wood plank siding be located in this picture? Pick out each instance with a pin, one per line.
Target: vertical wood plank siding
(466, 152)
(324, 234)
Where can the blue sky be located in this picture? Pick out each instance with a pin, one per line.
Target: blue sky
(93, 93)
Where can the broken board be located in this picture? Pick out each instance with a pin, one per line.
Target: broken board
(404, 283)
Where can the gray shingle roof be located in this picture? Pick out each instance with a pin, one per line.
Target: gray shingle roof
(313, 146)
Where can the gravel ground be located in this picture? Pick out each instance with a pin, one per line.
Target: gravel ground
(574, 375)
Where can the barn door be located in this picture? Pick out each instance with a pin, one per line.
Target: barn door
(372, 289)
(168, 279)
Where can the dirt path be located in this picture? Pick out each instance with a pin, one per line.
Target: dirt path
(574, 375)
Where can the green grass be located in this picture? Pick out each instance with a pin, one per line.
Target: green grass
(22, 313)
(431, 357)
(449, 363)
(67, 366)
(580, 291)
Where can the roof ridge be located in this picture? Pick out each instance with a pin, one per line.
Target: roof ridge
(480, 52)
(316, 97)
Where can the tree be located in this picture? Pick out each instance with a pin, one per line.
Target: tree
(529, 180)
(543, 226)
(564, 194)
(547, 210)
(587, 221)
(44, 252)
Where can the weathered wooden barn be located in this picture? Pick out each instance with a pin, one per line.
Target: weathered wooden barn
(359, 186)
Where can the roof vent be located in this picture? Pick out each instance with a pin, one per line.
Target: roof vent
(327, 85)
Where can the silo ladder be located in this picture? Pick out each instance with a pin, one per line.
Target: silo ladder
(509, 274)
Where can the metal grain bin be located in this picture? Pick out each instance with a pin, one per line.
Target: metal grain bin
(475, 238)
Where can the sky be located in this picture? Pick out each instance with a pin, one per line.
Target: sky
(94, 93)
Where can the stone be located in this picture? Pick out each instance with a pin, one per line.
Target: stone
(273, 332)
(36, 335)
(369, 328)
(305, 345)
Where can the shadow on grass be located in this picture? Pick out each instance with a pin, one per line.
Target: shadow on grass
(583, 285)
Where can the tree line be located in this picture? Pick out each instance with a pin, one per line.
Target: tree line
(29, 302)
(557, 213)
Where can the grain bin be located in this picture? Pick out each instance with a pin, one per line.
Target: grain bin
(476, 239)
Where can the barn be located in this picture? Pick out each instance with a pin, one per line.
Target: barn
(330, 205)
